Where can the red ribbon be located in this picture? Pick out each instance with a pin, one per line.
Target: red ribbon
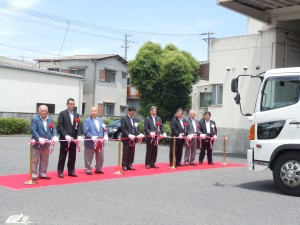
(77, 144)
(187, 141)
(99, 144)
(132, 142)
(51, 146)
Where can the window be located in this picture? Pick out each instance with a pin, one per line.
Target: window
(107, 75)
(122, 109)
(77, 71)
(205, 99)
(128, 81)
(280, 92)
(51, 107)
(110, 76)
(124, 75)
(217, 94)
(83, 108)
(54, 69)
(109, 109)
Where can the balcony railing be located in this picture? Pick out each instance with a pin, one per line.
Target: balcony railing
(132, 92)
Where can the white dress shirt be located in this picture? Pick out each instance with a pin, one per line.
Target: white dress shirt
(153, 118)
(71, 117)
(131, 120)
(97, 124)
(181, 122)
(207, 123)
(45, 122)
(194, 125)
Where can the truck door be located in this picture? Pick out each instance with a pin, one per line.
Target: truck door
(278, 117)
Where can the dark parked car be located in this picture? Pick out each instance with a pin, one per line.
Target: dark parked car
(114, 129)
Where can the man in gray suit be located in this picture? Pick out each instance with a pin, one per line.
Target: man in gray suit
(94, 128)
(190, 148)
(42, 129)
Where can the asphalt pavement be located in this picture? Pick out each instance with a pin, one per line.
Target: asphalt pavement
(216, 196)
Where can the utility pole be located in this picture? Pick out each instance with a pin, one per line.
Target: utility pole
(208, 40)
(126, 42)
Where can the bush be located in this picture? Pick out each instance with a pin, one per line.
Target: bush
(9, 126)
(141, 127)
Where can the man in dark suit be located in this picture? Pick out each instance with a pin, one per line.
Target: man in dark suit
(155, 129)
(208, 133)
(190, 148)
(130, 130)
(179, 130)
(69, 128)
(42, 129)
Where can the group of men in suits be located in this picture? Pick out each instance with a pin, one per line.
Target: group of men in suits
(44, 132)
(185, 131)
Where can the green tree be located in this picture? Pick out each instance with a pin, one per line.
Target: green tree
(164, 77)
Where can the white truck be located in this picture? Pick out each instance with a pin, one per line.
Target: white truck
(275, 127)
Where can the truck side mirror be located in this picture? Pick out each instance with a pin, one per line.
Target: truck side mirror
(237, 98)
(234, 85)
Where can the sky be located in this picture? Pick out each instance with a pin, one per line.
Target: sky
(32, 29)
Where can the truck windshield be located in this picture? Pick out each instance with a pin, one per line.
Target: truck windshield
(280, 92)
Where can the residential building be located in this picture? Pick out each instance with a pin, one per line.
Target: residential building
(105, 84)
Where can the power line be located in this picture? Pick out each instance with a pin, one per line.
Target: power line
(26, 49)
(73, 30)
(85, 24)
(62, 45)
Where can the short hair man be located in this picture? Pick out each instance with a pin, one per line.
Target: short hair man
(129, 128)
(69, 128)
(178, 130)
(153, 127)
(190, 148)
(94, 128)
(208, 133)
(42, 129)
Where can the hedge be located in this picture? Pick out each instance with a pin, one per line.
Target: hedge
(9, 126)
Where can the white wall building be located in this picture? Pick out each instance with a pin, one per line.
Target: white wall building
(23, 89)
(105, 84)
(273, 41)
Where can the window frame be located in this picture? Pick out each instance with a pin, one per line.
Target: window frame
(215, 97)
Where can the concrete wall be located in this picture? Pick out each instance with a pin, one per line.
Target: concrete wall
(112, 92)
(21, 90)
(94, 90)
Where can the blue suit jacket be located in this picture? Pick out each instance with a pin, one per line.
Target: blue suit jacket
(38, 130)
(89, 129)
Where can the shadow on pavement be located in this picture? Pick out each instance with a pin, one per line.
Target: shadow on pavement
(261, 186)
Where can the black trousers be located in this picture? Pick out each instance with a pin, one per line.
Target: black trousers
(151, 152)
(71, 152)
(128, 153)
(178, 151)
(206, 146)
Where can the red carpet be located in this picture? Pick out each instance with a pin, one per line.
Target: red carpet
(15, 182)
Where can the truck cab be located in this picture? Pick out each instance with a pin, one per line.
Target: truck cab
(275, 128)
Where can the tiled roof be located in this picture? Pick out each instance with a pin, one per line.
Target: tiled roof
(81, 57)
(39, 70)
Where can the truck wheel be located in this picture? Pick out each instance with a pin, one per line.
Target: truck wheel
(286, 173)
